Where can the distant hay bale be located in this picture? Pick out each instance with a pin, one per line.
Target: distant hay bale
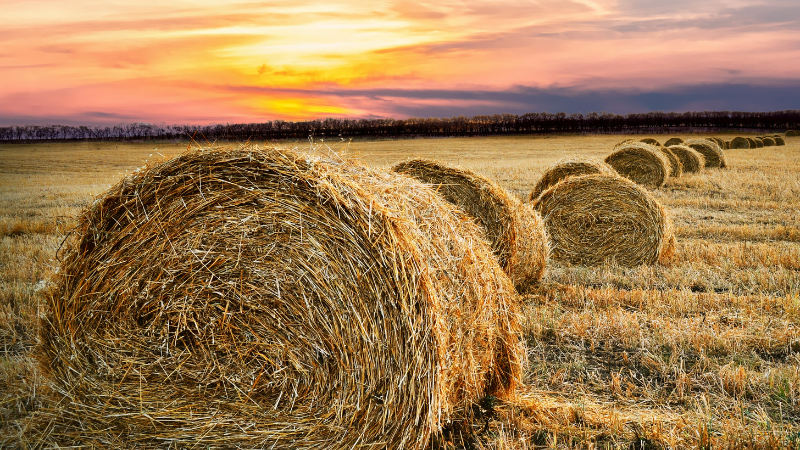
(768, 141)
(569, 167)
(791, 133)
(740, 143)
(759, 142)
(692, 161)
(625, 142)
(640, 163)
(727, 145)
(673, 141)
(514, 230)
(752, 142)
(675, 166)
(710, 150)
(650, 141)
(597, 219)
(260, 298)
(780, 141)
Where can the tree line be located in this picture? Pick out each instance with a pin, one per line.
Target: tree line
(497, 124)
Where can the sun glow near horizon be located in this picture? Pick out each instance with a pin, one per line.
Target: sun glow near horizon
(110, 61)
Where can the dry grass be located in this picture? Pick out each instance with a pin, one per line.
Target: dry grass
(703, 352)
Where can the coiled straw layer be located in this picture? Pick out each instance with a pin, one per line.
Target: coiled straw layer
(740, 143)
(710, 150)
(640, 163)
(259, 299)
(514, 230)
(597, 219)
(569, 167)
(692, 161)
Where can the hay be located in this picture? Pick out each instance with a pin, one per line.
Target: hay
(768, 141)
(260, 299)
(727, 145)
(597, 219)
(569, 167)
(641, 163)
(791, 133)
(692, 161)
(759, 142)
(515, 231)
(673, 141)
(717, 141)
(740, 143)
(710, 150)
(675, 167)
(780, 141)
(650, 141)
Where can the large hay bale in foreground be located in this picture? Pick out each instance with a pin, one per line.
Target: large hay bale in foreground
(692, 161)
(597, 219)
(740, 143)
(768, 141)
(641, 163)
(515, 231)
(673, 141)
(710, 150)
(779, 141)
(259, 299)
(569, 167)
(675, 166)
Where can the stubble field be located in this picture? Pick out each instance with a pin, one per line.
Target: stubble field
(703, 353)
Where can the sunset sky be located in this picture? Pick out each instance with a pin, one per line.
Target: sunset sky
(81, 62)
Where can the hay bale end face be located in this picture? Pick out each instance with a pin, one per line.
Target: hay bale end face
(717, 141)
(516, 232)
(640, 163)
(710, 151)
(569, 167)
(780, 141)
(597, 219)
(673, 141)
(245, 298)
(791, 133)
(768, 141)
(740, 143)
(759, 142)
(692, 161)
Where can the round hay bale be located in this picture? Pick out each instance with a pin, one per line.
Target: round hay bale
(625, 142)
(514, 230)
(752, 142)
(597, 219)
(259, 299)
(791, 133)
(759, 142)
(650, 141)
(768, 141)
(780, 141)
(717, 141)
(710, 150)
(692, 161)
(740, 143)
(673, 141)
(675, 167)
(640, 163)
(569, 167)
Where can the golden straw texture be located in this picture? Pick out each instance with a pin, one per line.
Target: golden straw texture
(264, 299)
(692, 161)
(640, 163)
(597, 219)
(650, 141)
(710, 150)
(740, 143)
(569, 167)
(516, 232)
(675, 166)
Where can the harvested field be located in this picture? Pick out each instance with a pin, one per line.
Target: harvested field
(703, 351)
